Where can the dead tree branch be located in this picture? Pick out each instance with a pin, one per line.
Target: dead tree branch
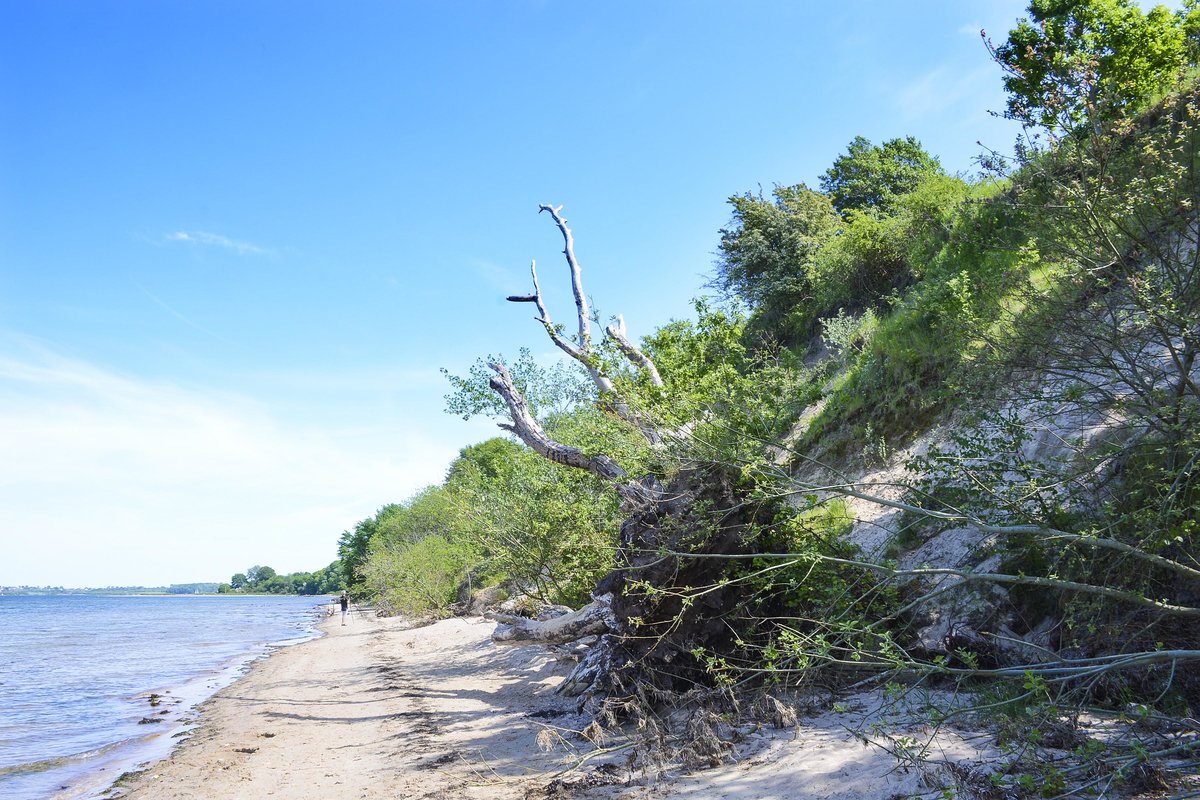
(581, 349)
(581, 305)
(636, 356)
(580, 352)
(531, 432)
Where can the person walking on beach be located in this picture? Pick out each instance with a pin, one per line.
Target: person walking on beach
(345, 606)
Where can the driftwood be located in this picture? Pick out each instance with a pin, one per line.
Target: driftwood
(594, 618)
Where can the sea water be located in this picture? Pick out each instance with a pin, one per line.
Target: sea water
(77, 675)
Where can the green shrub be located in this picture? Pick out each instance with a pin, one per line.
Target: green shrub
(418, 579)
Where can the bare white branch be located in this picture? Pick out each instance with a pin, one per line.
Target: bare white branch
(581, 350)
(581, 305)
(584, 357)
(642, 361)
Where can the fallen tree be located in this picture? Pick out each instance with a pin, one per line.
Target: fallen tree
(709, 571)
(1079, 582)
(649, 623)
(594, 618)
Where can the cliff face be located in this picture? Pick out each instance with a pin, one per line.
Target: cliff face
(1061, 498)
(958, 611)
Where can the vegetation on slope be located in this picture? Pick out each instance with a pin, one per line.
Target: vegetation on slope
(1056, 295)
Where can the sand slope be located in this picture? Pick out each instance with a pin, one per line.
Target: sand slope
(376, 710)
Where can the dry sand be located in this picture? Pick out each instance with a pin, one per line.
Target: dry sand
(378, 710)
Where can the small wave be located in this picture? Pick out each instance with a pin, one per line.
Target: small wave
(45, 765)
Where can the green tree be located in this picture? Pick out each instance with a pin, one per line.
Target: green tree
(430, 511)
(238, 581)
(325, 580)
(870, 177)
(488, 461)
(262, 576)
(764, 250)
(546, 530)
(701, 360)
(353, 547)
(420, 578)
(274, 584)
(418, 553)
(1075, 59)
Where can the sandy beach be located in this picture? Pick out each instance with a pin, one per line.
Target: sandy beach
(370, 710)
(376, 709)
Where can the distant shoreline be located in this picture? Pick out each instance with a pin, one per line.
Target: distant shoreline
(149, 593)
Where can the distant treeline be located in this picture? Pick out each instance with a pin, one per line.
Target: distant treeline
(264, 580)
(174, 588)
(256, 580)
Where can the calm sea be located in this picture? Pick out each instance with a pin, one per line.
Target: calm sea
(77, 673)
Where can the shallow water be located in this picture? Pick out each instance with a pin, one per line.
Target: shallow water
(77, 673)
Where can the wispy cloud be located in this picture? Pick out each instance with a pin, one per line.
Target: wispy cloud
(504, 281)
(217, 240)
(943, 88)
(178, 315)
(109, 478)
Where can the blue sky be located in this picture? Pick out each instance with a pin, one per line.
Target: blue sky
(237, 240)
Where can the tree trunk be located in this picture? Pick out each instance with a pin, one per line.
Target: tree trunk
(594, 618)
